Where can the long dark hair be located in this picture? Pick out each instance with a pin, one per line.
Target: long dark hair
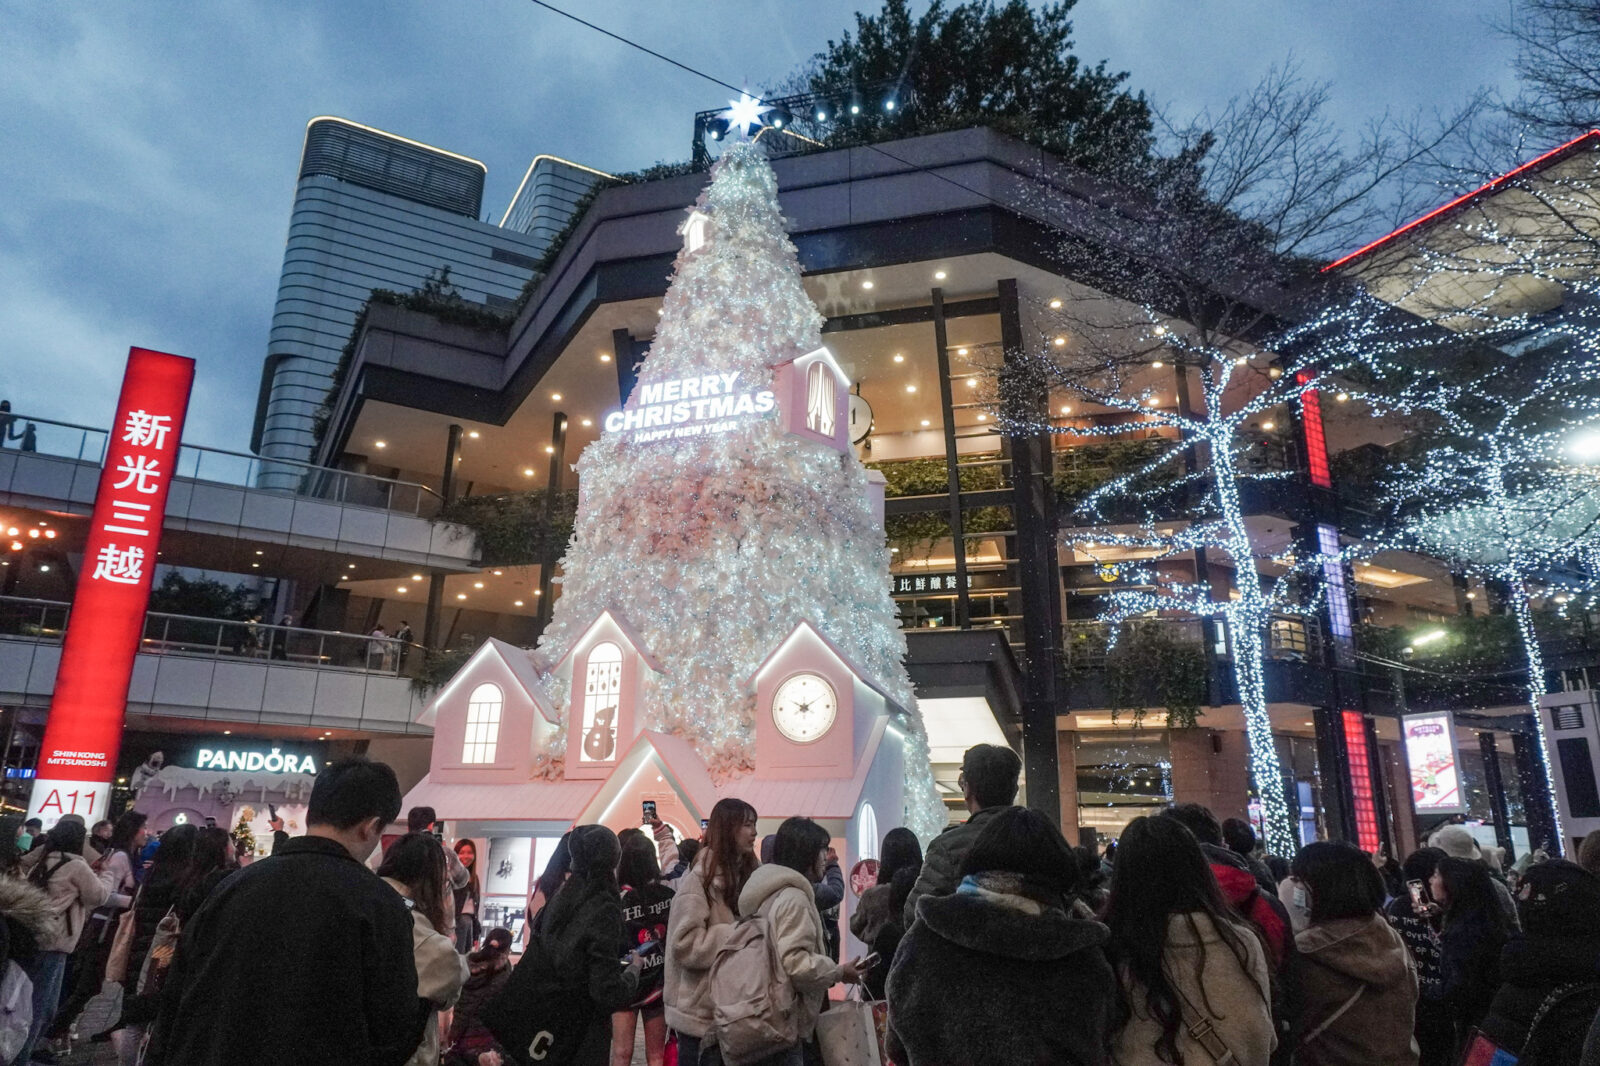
(1473, 902)
(169, 867)
(555, 871)
(722, 856)
(900, 850)
(473, 885)
(416, 860)
(65, 838)
(211, 846)
(1161, 873)
(595, 853)
(124, 831)
(639, 865)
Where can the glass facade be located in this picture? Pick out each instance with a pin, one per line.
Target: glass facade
(358, 225)
(547, 199)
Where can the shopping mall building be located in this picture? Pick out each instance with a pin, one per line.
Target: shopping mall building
(441, 479)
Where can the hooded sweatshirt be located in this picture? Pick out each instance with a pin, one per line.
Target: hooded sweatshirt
(696, 930)
(789, 903)
(1358, 987)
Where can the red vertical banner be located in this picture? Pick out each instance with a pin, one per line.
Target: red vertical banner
(1359, 758)
(1316, 439)
(78, 758)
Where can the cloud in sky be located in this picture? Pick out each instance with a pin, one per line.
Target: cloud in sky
(152, 150)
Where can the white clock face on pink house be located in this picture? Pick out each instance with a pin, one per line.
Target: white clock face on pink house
(804, 708)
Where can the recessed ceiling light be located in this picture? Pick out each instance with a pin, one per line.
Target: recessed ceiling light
(352, 566)
(983, 418)
(45, 569)
(227, 732)
(605, 357)
(401, 590)
(587, 422)
(1066, 408)
(549, 449)
(556, 396)
(939, 275)
(255, 566)
(961, 351)
(866, 284)
(899, 358)
(911, 388)
(527, 471)
(1343, 397)
(925, 422)
(1269, 426)
(1153, 401)
(1061, 342)
(261, 553)
(1158, 364)
(416, 577)
(498, 573)
(972, 383)
(538, 592)
(477, 584)
(516, 603)
(461, 595)
(474, 434)
(1055, 305)
(380, 444)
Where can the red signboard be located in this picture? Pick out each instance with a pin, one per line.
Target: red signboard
(1316, 439)
(1359, 762)
(78, 757)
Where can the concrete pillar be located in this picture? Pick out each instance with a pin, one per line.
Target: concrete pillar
(1404, 823)
(1067, 782)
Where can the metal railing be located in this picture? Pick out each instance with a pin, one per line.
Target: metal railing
(87, 444)
(179, 634)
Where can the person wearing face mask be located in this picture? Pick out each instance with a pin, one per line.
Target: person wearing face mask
(310, 940)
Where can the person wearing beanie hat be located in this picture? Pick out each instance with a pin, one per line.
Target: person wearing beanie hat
(489, 969)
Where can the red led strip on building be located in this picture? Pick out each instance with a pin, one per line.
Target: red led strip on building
(1316, 440)
(1359, 763)
(1547, 157)
(82, 735)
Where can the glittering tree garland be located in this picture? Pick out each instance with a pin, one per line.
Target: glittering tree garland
(715, 547)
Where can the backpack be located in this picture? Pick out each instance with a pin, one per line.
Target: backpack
(16, 1010)
(754, 1011)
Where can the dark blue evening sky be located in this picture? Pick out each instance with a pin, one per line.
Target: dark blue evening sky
(151, 149)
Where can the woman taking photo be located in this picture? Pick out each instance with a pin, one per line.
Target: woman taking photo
(1473, 932)
(468, 898)
(900, 850)
(1182, 959)
(1358, 986)
(703, 913)
(415, 867)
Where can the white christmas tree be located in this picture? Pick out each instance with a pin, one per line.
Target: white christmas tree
(717, 545)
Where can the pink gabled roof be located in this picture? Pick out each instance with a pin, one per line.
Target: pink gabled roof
(850, 664)
(821, 797)
(628, 631)
(516, 660)
(560, 801)
(827, 355)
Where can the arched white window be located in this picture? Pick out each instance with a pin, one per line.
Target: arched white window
(820, 399)
(867, 833)
(602, 694)
(483, 723)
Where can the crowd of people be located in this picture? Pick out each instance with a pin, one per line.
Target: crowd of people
(1183, 944)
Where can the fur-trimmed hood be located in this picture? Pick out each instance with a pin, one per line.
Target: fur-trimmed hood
(25, 904)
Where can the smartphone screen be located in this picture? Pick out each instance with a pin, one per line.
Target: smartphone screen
(705, 823)
(1418, 896)
(649, 810)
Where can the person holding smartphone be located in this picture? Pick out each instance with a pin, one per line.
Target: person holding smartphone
(1415, 916)
(646, 908)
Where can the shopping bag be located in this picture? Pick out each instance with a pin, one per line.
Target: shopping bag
(848, 1035)
(121, 949)
(162, 947)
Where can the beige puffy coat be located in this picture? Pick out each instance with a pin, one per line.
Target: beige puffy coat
(1237, 997)
(74, 891)
(789, 903)
(696, 930)
(441, 973)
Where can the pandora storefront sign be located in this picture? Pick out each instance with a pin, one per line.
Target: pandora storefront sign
(690, 407)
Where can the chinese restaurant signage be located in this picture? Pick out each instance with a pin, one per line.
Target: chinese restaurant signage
(78, 757)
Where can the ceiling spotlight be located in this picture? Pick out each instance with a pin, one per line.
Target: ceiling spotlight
(538, 592)
(911, 388)
(401, 590)
(866, 284)
(34, 533)
(822, 116)
(925, 422)
(556, 396)
(477, 584)
(1269, 426)
(474, 434)
(1055, 305)
(1274, 372)
(527, 471)
(49, 534)
(1066, 408)
(380, 444)
(961, 351)
(259, 552)
(983, 418)
(899, 358)
(352, 566)
(255, 566)
(461, 595)
(939, 275)
(549, 449)
(972, 383)
(855, 109)
(605, 357)
(888, 105)
(1472, 595)
(587, 422)
(416, 577)
(1343, 397)
(16, 545)
(1061, 342)
(1153, 401)
(516, 603)
(1158, 364)
(13, 531)
(498, 573)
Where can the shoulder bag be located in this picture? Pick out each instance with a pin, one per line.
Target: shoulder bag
(540, 1015)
